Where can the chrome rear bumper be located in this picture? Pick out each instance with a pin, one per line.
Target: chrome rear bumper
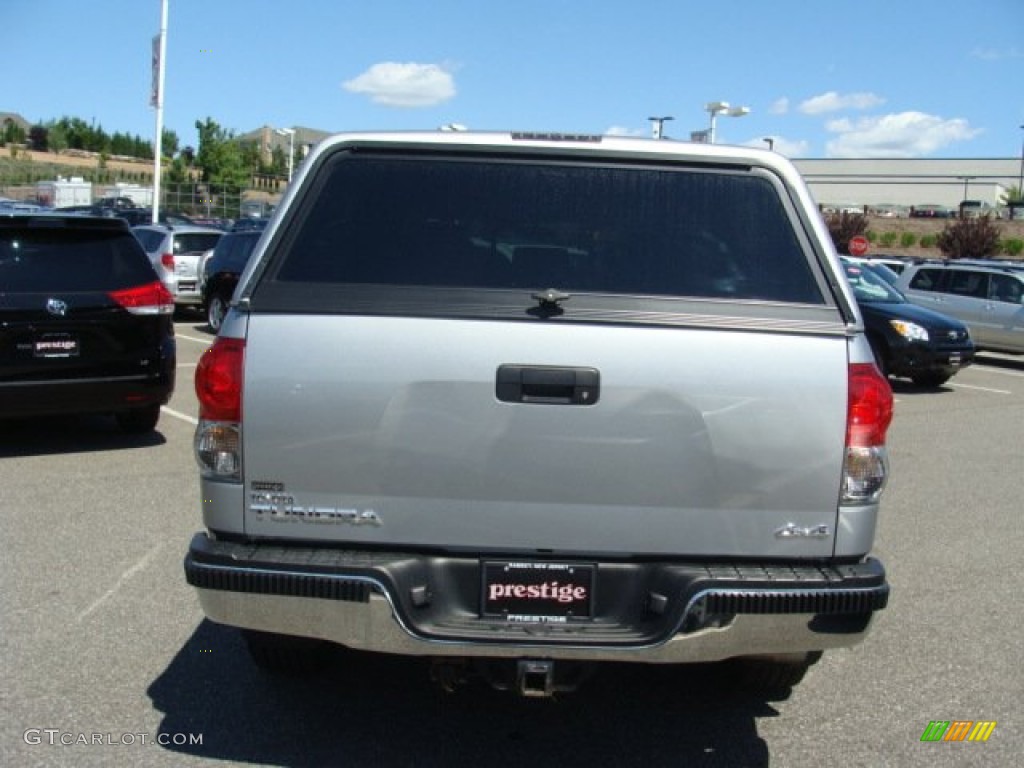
(374, 602)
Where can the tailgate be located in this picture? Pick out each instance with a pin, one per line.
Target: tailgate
(388, 430)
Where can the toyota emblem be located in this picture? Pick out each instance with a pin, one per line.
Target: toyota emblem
(57, 307)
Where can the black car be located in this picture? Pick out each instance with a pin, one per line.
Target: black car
(222, 270)
(908, 341)
(86, 326)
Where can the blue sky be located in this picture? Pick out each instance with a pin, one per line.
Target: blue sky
(832, 78)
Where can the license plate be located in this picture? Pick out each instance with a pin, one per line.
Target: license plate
(55, 346)
(186, 285)
(955, 358)
(538, 591)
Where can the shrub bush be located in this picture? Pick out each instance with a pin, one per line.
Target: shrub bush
(843, 227)
(928, 241)
(871, 235)
(1012, 247)
(970, 238)
(889, 239)
(907, 239)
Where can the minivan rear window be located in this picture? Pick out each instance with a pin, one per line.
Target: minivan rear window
(523, 225)
(41, 259)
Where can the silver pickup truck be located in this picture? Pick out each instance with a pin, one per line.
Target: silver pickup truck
(523, 402)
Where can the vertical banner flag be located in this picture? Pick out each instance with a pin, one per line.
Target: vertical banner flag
(154, 93)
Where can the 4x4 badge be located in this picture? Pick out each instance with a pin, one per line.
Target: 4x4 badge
(57, 307)
(794, 531)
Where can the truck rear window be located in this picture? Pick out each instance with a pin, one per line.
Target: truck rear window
(526, 225)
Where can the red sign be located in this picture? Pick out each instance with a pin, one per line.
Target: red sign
(858, 245)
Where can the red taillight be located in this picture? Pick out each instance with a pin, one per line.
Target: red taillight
(870, 407)
(149, 299)
(219, 381)
(167, 259)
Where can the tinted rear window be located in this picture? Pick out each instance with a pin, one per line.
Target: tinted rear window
(195, 242)
(34, 260)
(413, 221)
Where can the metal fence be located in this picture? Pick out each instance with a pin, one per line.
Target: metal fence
(205, 200)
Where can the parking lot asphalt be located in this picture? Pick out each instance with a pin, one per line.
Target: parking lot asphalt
(105, 650)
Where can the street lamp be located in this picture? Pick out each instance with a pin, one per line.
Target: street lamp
(658, 126)
(290, 133)
(966, 180)
(770, 142)
(716, 108)
(1020, 179)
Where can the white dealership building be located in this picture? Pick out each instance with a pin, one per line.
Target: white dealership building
(910, 182)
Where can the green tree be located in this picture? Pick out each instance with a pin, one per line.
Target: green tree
(13, 133)
(39, 137)
(56, 138)
(1011, 195)
(220, 157)
(168, 143)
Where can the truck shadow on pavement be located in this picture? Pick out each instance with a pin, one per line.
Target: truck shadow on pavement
(376, 710)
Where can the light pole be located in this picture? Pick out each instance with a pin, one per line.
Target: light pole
(966, 180)
(770, 142)
(1020, 179)
(290, 133)
(658, 126)
(716, 108)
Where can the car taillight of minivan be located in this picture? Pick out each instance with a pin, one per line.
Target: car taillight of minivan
(218, 439)
(149, 299)
(867, 419)
(167, 261)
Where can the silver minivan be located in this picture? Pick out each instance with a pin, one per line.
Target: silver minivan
(988, 297)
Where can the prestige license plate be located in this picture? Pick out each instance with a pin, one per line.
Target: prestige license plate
(55, 346)
(538, 591)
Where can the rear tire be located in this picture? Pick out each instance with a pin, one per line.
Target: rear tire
(215, 312)
(138, 421)
(931, 379)
(285, 654)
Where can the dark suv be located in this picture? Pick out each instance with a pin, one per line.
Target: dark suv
(86, 326)
(222, 270)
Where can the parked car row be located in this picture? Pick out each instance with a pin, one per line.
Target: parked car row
(908, 341)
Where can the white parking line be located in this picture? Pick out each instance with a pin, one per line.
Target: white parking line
(1003, 371)
(207, 341)
(981, 389)
(178, 415)
(120, 582)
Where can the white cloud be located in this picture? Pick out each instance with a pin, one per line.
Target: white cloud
(906, 134)
(394, 84)
(779, 106)
(995, 54)
(834, 102)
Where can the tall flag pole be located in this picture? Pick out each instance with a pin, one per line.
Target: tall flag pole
(156, 100)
